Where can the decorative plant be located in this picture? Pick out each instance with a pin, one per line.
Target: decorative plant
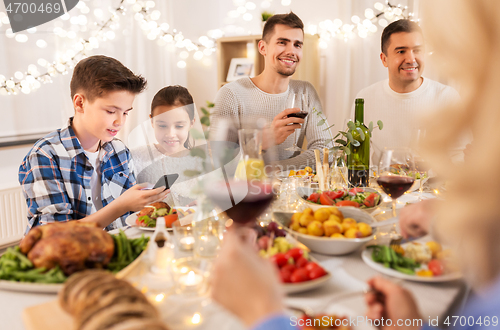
(266, 15)
(352, 136)
(205, 118)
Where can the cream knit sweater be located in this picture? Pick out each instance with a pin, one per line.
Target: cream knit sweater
(244, 103)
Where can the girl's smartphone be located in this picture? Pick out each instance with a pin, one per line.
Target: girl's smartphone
(166, 181)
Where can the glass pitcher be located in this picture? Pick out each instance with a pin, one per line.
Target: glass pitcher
(251, 164)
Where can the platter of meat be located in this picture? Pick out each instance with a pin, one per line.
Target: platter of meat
(49, 254)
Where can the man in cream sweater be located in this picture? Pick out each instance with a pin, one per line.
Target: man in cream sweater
(247, 100)
(406, 96)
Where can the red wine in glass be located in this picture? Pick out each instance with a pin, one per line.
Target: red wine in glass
(301, 114)
(248, 199)
(395, 186)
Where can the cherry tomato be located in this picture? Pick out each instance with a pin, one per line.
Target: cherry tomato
(312, 265)
(370, 200)
(301, 262)
(316, 273)
(347, 203)
(140, 220)
(354, 191)
(285, 275)
(314, 197)
(279, 259)
(294, 253)
(325, 200)
(299, 275)
(335, 194)
(170, 219)
(436, 267)
(289, 267)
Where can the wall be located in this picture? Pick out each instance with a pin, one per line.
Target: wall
(346, 67)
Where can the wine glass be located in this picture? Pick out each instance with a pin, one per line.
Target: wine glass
(297, 100)
(247, 194)
(395, 171)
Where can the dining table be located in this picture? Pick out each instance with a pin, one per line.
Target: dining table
(342, 295)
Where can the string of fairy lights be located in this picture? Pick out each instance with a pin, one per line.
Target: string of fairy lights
(103, 26)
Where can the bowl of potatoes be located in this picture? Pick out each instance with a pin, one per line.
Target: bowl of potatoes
(329, 230)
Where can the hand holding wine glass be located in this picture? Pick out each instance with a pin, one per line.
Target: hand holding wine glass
(395, 173)
(251, 191)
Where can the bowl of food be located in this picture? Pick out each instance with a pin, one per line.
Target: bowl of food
(366, 199)
(298, 271)
(329, 230)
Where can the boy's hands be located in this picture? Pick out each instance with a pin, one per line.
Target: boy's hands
(136, 197)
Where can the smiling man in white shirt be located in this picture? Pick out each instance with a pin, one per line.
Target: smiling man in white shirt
(406, 96)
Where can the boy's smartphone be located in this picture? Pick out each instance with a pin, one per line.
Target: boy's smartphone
(166, 181)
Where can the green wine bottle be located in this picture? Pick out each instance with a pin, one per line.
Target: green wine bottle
(358, 160)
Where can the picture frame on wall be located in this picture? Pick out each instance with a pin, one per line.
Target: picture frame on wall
(239, 68)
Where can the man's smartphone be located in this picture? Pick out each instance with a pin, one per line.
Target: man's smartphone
(166, 181)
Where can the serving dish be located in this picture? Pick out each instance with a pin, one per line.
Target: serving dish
(329, 245)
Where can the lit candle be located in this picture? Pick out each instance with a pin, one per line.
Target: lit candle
(191, 279)
(186, 243)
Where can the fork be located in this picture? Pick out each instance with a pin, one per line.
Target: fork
(395, 243)
(306, 310)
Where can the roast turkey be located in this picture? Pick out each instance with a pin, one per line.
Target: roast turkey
(72, 245)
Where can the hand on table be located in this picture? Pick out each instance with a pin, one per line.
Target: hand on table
(280, 128)
(415, 219)
(243, 282)
(136, 197)
(393, 302)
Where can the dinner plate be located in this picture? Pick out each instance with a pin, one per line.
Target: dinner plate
(366, 255)
(55, 287)
(307, 285)
(30, 287)
(130, 220)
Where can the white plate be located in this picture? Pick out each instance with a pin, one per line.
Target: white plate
(30, 287)
(307, 285)
(130, 220)
(416, 184)
(55, 287)
(367, 258)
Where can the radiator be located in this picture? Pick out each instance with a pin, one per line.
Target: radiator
(13, 216)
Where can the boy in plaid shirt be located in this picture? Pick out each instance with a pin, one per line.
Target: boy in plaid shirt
(81, 172)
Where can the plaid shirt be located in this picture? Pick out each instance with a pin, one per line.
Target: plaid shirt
(55, 177)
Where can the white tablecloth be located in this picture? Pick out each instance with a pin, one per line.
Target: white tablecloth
(349, 274)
